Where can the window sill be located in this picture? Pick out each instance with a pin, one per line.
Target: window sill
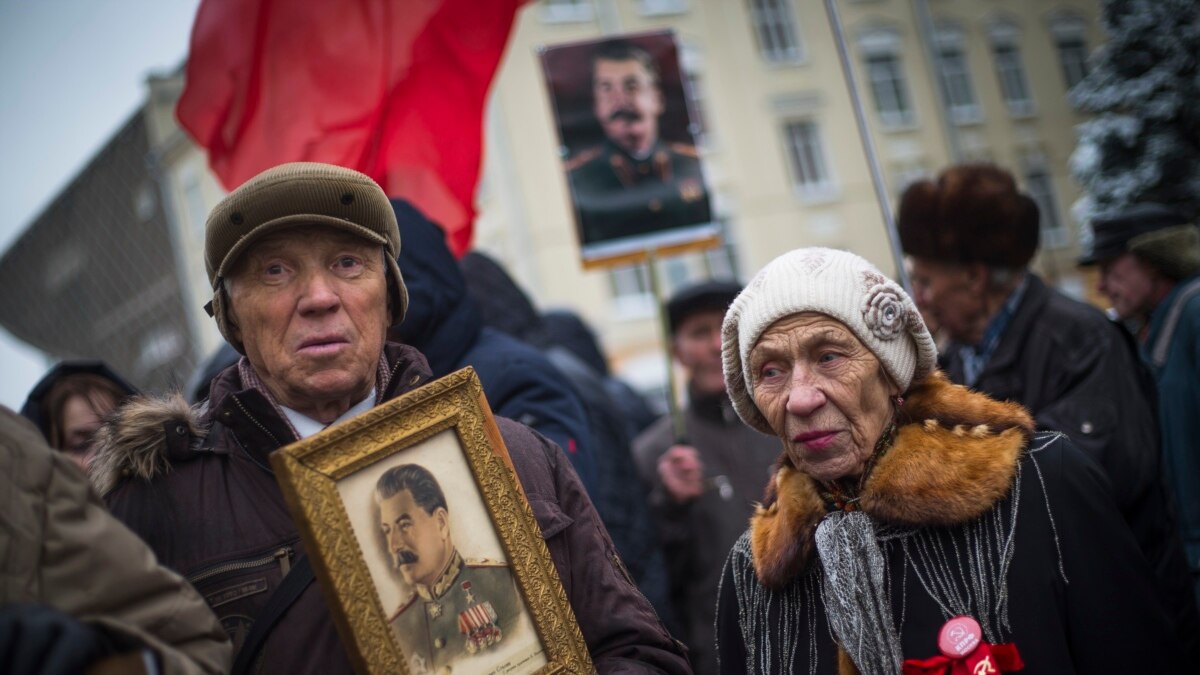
(817, 195)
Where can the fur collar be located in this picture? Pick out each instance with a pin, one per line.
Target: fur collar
(954, 457)
(133, 443)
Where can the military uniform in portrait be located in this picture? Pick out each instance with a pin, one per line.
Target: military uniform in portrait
(471, 608)
(620, 196)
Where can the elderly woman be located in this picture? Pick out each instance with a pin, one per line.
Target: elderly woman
(912, 525)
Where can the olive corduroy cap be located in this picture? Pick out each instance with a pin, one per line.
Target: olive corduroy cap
(295, 195)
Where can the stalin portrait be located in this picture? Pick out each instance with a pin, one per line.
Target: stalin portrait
(458, 608)
(634, 182)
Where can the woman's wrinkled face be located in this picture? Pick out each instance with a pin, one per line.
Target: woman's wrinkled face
(823, 393)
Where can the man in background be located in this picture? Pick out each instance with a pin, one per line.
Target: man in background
(971, 235)
(1149, 258)
(702, 486)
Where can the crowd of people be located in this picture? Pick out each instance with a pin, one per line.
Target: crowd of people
(985, 474)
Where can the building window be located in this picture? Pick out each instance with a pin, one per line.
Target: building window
(661, 7)
(630, 287)
(775, 26)
(566, 11)
(954, 75)
(806, 154)
(1014, 86)
(1040, 186)
(889, 89)
(880, 50)
(1071, 43)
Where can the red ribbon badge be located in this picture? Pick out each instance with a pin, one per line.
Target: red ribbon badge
(965, 653)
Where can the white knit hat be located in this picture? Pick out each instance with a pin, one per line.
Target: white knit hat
(841, 286)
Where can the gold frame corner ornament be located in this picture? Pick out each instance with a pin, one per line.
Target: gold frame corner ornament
(308, 472)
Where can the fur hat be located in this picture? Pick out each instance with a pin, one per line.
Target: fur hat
(294, 195)
(840, 285)
(973, 213)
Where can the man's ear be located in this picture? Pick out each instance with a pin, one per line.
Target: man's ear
(230, 318)
(443, 521)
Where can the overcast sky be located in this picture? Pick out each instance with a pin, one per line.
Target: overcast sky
(71, 73)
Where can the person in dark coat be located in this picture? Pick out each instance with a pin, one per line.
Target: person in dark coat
(703, 486)
(913, 525)
(567, 330)
(971, 235)
(71, 401)
(446, 326)
(302, 260)
(1149, 258)
(618, 497)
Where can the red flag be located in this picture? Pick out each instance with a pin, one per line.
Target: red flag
(395, 89)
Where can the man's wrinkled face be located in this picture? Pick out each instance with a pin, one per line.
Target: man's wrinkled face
(310, 308)
(627, 103)
(418, 541)
(823, 393)
(1130, 285)
(697, 346)
(951, 295)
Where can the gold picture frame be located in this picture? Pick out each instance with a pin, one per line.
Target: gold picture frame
(363, 564)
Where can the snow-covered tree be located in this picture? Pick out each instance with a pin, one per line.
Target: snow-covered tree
(1144, 88)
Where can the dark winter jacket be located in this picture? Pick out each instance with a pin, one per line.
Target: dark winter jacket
(964, 482)
(697, 536)
(1178, 378)
(618, 494)
(565, 329)
(444, 324)
(197, 486)
(1075, 371)
(34, 408)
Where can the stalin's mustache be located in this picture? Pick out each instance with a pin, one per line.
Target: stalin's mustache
(405, 557)
(626, 114)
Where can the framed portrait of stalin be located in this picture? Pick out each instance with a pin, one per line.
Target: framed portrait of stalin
(629, 153)
(423, 542)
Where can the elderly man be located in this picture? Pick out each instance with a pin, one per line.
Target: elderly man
(971, 236)
(634, 183)
(302, 260)
(1149, 257)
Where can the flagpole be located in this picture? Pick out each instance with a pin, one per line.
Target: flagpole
(860, 117)
(678, 428)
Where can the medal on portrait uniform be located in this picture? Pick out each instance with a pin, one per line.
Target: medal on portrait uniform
(477, 623)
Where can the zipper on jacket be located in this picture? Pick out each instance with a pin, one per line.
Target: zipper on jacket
(282, 555)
